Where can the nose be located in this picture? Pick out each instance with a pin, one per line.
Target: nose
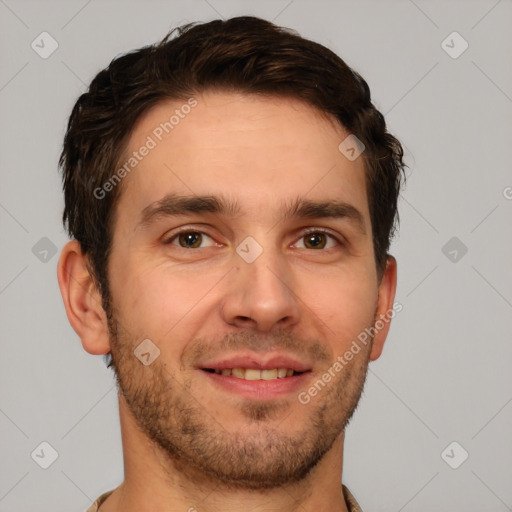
(260, 295)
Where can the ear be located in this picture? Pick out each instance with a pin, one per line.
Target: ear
(82, 300)
(385, 311)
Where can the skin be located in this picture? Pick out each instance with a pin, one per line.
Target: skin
(186, 442)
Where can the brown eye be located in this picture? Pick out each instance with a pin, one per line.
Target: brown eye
(317, 240)
(191, 240)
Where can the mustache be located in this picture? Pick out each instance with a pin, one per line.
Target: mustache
(284, 341)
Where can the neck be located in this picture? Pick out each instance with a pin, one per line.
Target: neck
(154, 482)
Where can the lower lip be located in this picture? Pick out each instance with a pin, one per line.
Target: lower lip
(259, 389)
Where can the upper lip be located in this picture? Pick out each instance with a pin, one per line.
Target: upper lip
(257, 362)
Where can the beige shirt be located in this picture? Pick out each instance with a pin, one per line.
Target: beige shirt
(351, 502)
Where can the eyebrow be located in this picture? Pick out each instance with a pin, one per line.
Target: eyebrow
(173, 205)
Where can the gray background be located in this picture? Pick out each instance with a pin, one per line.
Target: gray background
(445, 372)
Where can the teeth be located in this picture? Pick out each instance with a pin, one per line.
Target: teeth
(255, 374)
(238, 372)
(251, 374)
(268, 374)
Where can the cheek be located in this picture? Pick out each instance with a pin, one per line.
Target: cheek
(158, 300)
(345, 302)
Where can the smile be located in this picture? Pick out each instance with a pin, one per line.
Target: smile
(254, 373)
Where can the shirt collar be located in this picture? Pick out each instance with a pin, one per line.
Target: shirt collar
(352, 504)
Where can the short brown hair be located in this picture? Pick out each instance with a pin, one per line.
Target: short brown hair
(243, 54)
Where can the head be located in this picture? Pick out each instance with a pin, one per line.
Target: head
(237, 123)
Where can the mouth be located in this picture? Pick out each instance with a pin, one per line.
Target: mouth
(255, 384)
(257, 376)
(254, 374)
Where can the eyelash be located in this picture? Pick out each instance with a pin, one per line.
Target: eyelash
(305, 233)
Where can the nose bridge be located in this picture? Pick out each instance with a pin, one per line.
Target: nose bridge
(268, 275)
(261, 288)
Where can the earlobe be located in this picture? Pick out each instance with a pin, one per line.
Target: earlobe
(82, 300)
(385, 311)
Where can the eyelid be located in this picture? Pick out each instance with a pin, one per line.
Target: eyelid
(168, 238)
(334, 235)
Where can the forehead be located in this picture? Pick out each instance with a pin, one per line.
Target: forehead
(258, 150)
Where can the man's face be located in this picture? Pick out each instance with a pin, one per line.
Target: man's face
(205, 295)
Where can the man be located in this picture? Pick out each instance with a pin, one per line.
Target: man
(231, 193)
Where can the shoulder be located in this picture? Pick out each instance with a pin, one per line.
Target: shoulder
(352, 504)
(95, 506)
